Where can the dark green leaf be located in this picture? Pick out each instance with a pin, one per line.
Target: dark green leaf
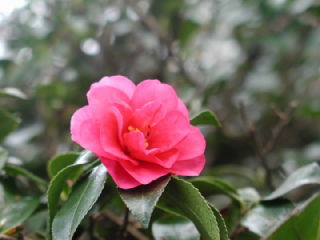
(303, 223)
(58, 183)
(307, 175)
(189, 200)
(59, 162)
(175, 228)
(212, 185)
(3, 157)
(221, 224)
(142, 199)
(8, 123)
(15, 170)
(78, 204)
(12, 92)
(206, 117)
(15, 211)
(264, 217)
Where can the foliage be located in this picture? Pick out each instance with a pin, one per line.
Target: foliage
(245, 61)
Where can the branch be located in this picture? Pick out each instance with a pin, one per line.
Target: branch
(263, 152)
(130, 229)
(152, 24)
(125, 224)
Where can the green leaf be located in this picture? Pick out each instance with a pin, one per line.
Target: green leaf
(221, 224)
(307, 175)
(78, 204)
(15, 170)
(264, 217)
(58, 183)
(250, 196)
(3, 157)
(15, 211)
(212, 185)
(206, 117)
(12, 92)
(8, 123)
(175, 228)
(188, 199)
(304, 223)
(59, 162)
(142, 199)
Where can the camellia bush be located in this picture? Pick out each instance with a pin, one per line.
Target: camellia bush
(141, 149)
(220, 143)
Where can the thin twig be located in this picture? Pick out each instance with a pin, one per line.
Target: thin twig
(152, 24)
(263, 152)
(130, 229)
(125, 224)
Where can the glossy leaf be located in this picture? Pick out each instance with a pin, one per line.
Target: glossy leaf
(78, 204)
(3, 157)
(206, 117)
(59, 162)
(12, 92)
(175, 228)
(264, 217)
(223, 231)
(188, 199)
(142, 199)
(307, 175)
(303, 223)
(212, 185)
(15, 170)
(250, 196)
(8, 124)
(15, 211)
(58, 183)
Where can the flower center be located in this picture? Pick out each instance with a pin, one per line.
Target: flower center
(132, 129)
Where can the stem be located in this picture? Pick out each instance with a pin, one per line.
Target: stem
(123, 230)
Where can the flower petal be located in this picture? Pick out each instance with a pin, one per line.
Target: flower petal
(109, 137)
(192, 145)
(145, 172)
(77, 119)
(183, 109)
(190, 167)
(169, 131)
(120, 82)
(121, 177)
(143, 117)
(99, 99)
(151, 90)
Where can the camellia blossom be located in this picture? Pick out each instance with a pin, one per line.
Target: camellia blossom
(140, 133)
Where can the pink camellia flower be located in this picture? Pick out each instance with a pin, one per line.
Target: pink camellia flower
(140, 133)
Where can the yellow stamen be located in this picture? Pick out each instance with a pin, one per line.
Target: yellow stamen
(132, 129)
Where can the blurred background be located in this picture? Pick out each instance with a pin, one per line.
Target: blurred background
(216, 54)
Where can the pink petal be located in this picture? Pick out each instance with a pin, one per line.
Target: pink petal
(89, 136)
(120, 82)
(135, 144)
(100, 98)
(192, 145)
(121, 177)
(183, 109)
(190, 167)
(143, 117)
(151, 90)
(144, 172)
(168, 158)
(77, 119)
(169, 131)
(109, 138)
